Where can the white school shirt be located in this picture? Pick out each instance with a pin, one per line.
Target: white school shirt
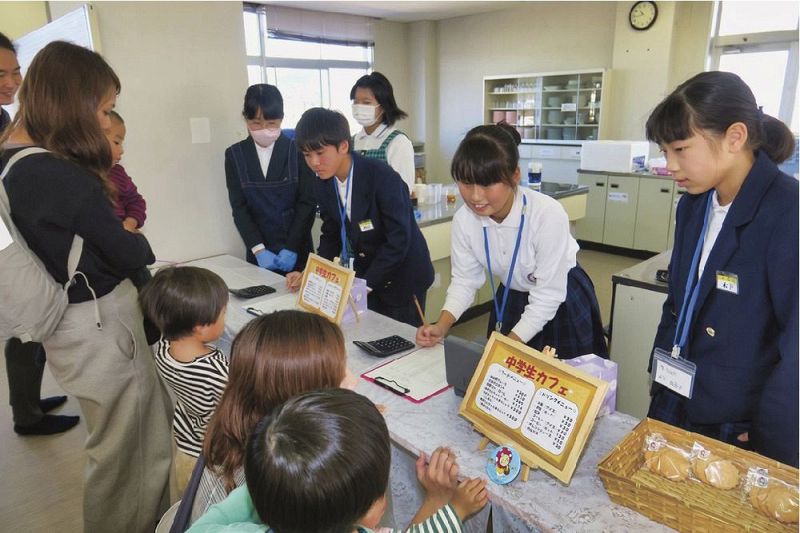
(399, 153)
(264, 157)
(715, 220)
(341, 186)
(546, 255)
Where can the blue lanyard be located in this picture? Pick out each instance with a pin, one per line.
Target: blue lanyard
(692, 288)
(501, 309)
(343, 259)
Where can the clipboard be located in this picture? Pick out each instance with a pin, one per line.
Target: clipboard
(416, 376)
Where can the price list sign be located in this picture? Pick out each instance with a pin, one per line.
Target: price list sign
(541, 405)
(325, 288)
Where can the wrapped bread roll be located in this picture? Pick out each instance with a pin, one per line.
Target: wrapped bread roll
(715, 471)
(668, 463)
(777, 500)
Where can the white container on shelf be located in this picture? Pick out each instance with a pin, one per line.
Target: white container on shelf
(614, 156)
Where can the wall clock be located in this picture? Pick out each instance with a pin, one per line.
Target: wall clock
(643, 15)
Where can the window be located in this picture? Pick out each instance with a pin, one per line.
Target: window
(759, 42)
(309, 71)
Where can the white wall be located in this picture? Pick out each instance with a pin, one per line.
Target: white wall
(536, 37)
(424, 81)
(392, 60)
(179, 60)
(690, 40)
(641, 69)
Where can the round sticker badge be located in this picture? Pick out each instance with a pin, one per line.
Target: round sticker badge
(503, 464)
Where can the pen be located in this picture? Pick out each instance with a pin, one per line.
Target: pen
(383, 382)
(419, 310)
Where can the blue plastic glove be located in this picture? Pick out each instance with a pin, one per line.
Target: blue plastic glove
(286, 260)
(267, 259)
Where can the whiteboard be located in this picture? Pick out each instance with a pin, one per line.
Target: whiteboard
(74, 27)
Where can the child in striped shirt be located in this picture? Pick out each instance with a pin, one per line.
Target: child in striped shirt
(188, 305)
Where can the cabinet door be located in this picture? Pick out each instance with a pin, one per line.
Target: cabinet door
(676, 197)
(590, 227)
(652, 214)
(621, 200)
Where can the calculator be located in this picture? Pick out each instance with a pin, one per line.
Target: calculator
(386, 346)
(252, 292)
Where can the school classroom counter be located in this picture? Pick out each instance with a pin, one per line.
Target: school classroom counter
(541, 504)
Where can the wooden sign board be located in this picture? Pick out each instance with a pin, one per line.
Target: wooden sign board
(540, 405)
(325, 288)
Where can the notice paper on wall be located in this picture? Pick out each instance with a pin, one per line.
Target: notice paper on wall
(416, 376)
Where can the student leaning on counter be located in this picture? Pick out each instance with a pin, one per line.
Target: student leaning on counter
(375, 108)
(367, 218)
(729, 323)
(523, 237)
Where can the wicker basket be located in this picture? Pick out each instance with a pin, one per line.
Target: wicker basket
(688, 505)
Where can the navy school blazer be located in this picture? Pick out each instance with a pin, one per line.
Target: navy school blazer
(393, 256)
(745, 345)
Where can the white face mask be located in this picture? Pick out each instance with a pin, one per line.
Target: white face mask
(265, 137)
(366, 115)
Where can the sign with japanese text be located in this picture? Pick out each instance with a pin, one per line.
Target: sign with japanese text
(540, 405)
(325, 288)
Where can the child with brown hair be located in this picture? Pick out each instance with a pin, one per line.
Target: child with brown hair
(320, 462)
(273, 358)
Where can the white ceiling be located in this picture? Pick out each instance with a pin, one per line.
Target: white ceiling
(398, 11)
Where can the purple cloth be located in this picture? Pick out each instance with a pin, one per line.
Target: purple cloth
(129, 202)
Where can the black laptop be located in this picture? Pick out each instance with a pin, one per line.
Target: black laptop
(461, 358)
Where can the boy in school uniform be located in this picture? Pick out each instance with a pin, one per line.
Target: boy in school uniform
(367, 218)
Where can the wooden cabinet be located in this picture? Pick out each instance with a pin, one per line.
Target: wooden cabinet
(590, 227)
(652, 214)
(620, 218)
(555, 107)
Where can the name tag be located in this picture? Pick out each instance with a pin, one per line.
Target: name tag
(728, 282)
(365, 225)
(675, 373)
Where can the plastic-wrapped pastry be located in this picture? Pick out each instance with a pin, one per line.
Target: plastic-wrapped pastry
(714, 470)
(665, 460)
(772, 497)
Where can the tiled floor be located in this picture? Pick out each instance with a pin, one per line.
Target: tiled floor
(41, 477)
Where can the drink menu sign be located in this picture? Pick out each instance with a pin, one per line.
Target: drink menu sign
(325, 288)
(541, 405)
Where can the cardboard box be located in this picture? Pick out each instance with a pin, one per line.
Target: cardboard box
(615, 156)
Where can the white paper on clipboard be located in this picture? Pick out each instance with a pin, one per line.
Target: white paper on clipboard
(421, 373)
(278, 303)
